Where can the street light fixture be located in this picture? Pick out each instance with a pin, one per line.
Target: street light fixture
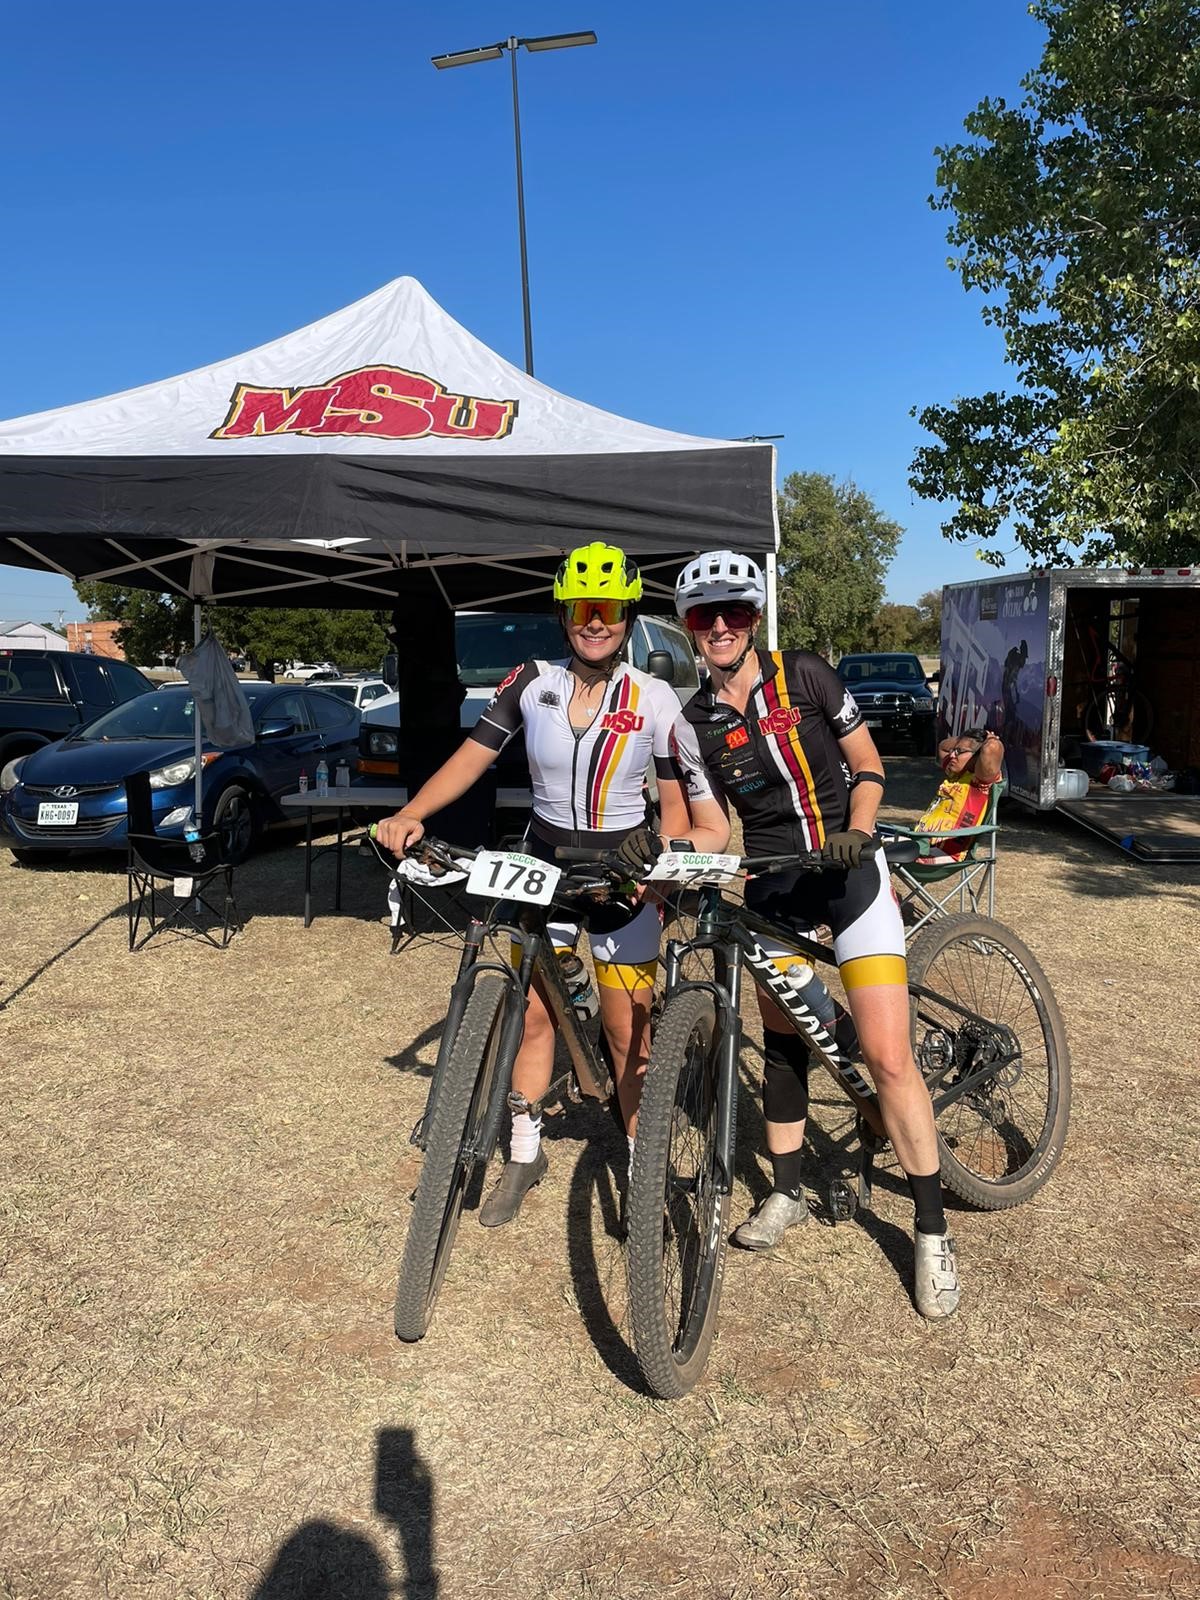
(493, 52)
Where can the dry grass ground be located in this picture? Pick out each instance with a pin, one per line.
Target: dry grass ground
(203, 1201)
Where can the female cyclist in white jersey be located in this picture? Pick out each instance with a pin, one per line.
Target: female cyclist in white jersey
(592, 725)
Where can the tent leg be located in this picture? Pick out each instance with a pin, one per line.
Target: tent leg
(196, 720)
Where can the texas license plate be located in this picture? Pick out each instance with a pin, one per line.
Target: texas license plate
(58, 813)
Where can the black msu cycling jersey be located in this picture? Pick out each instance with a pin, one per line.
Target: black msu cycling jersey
(779, 765)
(587, 783)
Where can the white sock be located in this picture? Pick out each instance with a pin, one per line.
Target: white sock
(526, 1136)
(632, 1137)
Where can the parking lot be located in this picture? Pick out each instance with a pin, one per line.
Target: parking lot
(205, 1193)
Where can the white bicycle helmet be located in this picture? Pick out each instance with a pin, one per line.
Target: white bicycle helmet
(719, 575)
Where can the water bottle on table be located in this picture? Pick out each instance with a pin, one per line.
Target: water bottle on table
(191, 834)
(341, 777)
(304, 783)
(322, 779)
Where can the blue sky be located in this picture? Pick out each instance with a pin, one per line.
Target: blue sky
(727, 217)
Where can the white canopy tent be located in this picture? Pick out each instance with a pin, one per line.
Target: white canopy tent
(383, 439)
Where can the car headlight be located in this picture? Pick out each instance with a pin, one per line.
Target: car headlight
(926, 707)
(10, 776)
(382, 742)
(179, 771)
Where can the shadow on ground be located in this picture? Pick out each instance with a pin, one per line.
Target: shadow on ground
(325, 1560)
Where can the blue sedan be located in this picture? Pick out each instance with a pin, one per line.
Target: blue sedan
(70, 795)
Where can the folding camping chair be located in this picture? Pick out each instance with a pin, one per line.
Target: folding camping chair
(153, 861)
(939, 883)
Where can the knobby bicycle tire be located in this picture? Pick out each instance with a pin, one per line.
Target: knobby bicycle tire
(677, 1216)
(999, 1142)
(459, 1107)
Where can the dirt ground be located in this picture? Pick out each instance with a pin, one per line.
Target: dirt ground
(203, 1201)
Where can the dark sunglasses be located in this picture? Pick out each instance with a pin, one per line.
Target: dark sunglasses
(737, 615)
(581, 612)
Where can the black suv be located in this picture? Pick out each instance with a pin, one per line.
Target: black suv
(894, 696)
(46, 694)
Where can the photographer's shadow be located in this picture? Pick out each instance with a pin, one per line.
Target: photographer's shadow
(323, 1560)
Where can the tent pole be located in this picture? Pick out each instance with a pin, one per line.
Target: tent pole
(196, 715)
(772, 604)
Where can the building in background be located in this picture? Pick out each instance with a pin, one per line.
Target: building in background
(95, 639)
(29, 636)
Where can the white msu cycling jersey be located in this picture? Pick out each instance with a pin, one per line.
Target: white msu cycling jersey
(586, 781)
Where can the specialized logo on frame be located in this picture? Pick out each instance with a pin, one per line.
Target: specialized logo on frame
(370, 402)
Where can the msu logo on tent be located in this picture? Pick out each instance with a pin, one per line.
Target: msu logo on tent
(374, 402)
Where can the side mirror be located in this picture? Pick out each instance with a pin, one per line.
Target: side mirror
(660, 665)
(277, 728)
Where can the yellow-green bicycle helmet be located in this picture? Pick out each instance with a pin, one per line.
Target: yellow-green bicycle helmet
(597, 572)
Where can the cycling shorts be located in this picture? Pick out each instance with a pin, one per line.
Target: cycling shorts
(859, 906)
(624, 939)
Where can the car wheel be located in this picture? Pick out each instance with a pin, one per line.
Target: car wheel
(235, 820)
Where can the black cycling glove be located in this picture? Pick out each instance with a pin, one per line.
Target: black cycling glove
(639, 850)
(846, 849)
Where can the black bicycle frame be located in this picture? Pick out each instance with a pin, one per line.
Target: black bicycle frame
(524, 925)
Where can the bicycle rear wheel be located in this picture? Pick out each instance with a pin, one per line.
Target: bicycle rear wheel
(1001, 1139)
(458, 1112)
(675, 1254)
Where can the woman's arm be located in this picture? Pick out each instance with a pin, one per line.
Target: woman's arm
(449, 783)
(704, 822)
(989, 758)
(862, 756)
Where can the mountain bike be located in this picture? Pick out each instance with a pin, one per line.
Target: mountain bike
(469, 1092)
(988, 1039)
(1114, 708)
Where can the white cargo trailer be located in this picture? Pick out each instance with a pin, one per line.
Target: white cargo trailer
(1079, 671)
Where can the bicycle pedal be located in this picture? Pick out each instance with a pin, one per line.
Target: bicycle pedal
(417, 1136)
(843, 1202)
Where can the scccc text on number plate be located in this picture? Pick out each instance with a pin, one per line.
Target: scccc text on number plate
(694, 866)
(508, 875)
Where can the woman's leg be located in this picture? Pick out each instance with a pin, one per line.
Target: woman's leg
(785, 1112)
(625, 1011)
(527, 1163)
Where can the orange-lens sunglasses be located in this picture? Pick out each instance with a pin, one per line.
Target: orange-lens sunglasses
(581, 612)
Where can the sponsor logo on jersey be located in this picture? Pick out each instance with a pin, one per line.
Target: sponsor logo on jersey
(379, 402)
(779, 720)
(622, 722)
(500, 687)
(736, 737)
(849, 709)
(548, 698)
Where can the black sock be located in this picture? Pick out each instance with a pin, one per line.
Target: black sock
(927, 1197)
(787, 1173)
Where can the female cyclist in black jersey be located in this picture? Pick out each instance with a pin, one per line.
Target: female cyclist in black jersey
(778, 735)
(592, 725)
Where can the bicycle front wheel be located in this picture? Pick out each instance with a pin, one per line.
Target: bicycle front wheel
(675, 1254)
(458, 1112)
(1000, 1077)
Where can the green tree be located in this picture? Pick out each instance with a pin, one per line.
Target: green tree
(834, 549)
(927, 633)
(161, 624)
(893, 627)
(1077, 217)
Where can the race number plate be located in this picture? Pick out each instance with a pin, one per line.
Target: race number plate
(694, 866)
(507, 875)
(58, 813)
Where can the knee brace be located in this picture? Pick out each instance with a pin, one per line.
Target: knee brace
(785, 1077)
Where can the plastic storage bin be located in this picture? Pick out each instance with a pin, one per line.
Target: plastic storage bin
(1072, 783)
(1097, 753)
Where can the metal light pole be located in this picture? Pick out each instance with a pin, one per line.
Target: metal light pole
(493, 52)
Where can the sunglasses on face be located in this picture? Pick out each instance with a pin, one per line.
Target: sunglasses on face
(735, 613)
(581, 612)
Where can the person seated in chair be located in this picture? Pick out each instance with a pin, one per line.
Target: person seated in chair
(972, 763)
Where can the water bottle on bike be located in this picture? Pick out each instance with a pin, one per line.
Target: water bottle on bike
(804, 982)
